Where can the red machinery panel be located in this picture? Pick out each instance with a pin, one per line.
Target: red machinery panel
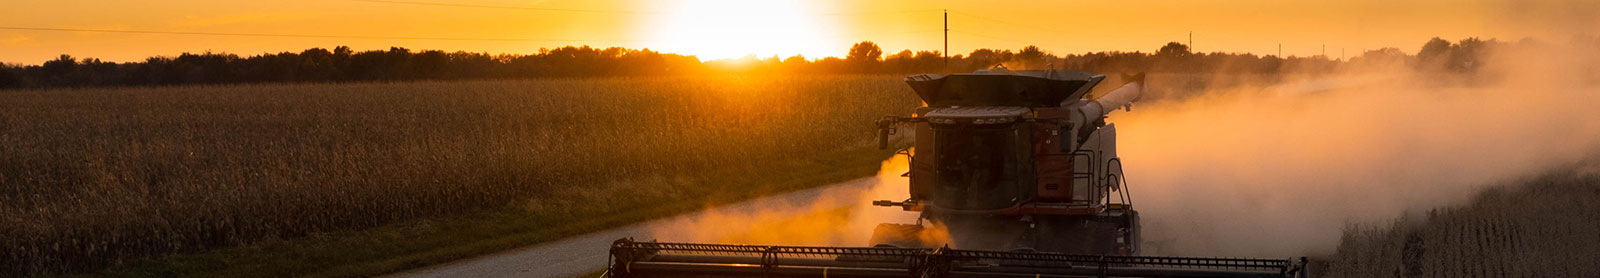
(1054, 166)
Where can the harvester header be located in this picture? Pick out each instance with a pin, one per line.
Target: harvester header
(660, 259)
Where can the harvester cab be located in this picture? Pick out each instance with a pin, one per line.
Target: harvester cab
(1013, 174)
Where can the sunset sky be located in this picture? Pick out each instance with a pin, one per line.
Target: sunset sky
(713, 29)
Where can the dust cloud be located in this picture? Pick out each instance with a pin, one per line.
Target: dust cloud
(840, 215)
(1277, 169)
(1280, 169)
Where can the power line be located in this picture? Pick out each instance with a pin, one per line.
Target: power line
(877, 34)
(292, 35)
(989, 37)
(879, 12)
(1008, 22)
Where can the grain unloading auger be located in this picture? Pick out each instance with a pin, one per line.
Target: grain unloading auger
(1015, 169)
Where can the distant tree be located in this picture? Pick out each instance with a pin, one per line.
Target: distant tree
(1384, 53)
(903, 54)
(9, 79)
(864, 57)
(1030, 57)
(901, 62)
(343, 51)
(317, 64)
(1173, 49)
(1271, 63)
(930, 61)
(795, 60)
(1464, 56)
(62, 65)
(864, 51)
(1435, 54)
(1387, 56)
(1469, 53)
(429, 64)
(1434, 47)
(984, 58)
(59, 72)
(1175, 56)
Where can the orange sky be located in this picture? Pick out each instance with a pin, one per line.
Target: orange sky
(732, 28)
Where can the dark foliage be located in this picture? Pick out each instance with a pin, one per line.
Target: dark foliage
(395, 64)
(9, 79)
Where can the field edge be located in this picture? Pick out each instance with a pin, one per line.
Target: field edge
(421, 243)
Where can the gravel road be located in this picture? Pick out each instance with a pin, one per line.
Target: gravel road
(584, 254)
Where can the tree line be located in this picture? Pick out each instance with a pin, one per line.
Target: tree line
(341, 64)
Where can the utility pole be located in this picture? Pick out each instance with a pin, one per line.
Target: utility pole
(1280, 51)
(1191, 41)
(947, 39)
(1324, 51)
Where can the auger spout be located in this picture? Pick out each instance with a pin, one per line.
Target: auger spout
(1121, 97)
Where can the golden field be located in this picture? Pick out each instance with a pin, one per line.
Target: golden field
(93, 177)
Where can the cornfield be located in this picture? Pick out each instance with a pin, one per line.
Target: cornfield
(1547, 227)
(95, 176)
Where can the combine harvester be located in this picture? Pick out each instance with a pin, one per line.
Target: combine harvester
(1016, 169)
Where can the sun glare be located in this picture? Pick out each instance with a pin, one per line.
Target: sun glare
(722, 29)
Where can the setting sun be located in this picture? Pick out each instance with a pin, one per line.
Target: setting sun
(722, 29)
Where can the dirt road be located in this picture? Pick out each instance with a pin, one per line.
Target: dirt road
(584, 254)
